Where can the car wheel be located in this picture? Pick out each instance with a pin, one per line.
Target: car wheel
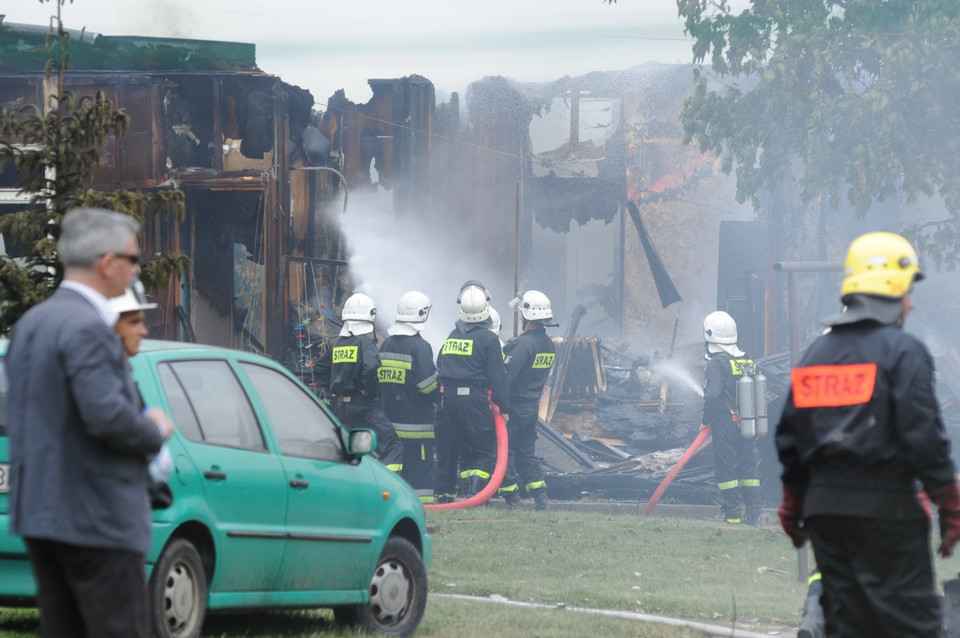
(178, 592)
(398, 593)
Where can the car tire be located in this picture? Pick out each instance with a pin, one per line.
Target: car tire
(178, 592)
(398, 593)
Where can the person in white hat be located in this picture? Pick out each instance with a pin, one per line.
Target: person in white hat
(131, 327)
(131, 324)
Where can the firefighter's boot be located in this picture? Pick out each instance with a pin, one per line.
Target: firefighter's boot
(475, 485)
(732, 514)
(751, 501)
(510, 494)
(540, 499)
(512, 499)
(812, 623)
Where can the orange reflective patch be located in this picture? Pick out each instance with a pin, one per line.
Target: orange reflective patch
(832, 386)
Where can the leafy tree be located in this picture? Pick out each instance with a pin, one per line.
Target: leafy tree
(54, 149)
(844, 97)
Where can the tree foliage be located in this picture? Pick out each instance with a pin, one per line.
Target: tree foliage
(55, 148)
(853, 98)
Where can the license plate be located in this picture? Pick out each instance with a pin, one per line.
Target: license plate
(4, 478)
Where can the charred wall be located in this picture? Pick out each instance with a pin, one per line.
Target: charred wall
(229, 140)
(580, 147)
(387, 141)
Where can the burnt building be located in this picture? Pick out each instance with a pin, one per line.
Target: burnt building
(204, 120)
(541, 174)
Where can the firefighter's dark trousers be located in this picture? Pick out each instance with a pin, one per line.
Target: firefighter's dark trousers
(737, 466)
(471, 424)
(358, 414)
(877, 577)
(524, 468)
(447, 456)
(418, 458)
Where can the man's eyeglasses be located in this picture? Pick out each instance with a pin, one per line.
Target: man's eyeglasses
(134, 259)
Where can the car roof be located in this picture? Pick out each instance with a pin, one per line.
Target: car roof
(159, 346)
(155, 345)
(157, 349)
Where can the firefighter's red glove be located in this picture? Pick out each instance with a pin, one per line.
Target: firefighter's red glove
(947, 500)
(791, 518)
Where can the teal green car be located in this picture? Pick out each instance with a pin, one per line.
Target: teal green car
(275, 505)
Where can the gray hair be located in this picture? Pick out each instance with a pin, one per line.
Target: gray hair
(86, 234)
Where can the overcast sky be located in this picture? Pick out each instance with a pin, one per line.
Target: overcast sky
(325, 45)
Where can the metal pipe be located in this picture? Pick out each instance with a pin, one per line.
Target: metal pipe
(346, 191)
(808, 266)
(793, 295)
(793, 301)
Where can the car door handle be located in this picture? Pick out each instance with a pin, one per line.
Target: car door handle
(299, 483)
(211, 474)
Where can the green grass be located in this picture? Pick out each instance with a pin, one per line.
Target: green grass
(444, 618)
(698, 570)
(685, 568)
(467, 619)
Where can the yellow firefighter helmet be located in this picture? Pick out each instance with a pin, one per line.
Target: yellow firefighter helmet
(881, 264)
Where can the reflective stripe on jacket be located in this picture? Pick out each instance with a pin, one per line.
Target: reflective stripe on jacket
(409, 387)
(528, 359)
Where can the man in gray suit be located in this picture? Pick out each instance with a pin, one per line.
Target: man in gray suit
(79, 445)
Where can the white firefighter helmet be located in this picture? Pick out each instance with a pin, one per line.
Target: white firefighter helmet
(358, 314)
(414, 307)
(472, 282)
(474, 306)
(134, 298)
(412, 312)
(535, 306)
(494, 321)
(720, 333)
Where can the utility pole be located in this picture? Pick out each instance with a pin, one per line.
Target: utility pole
(516, 253)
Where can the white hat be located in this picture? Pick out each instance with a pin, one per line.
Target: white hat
(134, 298)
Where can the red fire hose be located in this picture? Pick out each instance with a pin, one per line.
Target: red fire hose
(665, 483)
(499, 470)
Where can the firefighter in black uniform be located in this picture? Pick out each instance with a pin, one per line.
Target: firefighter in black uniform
(410, 390)
(471, 363)
(860, 427)
(348, 372)
(528, 359)
(736, 459)
(448, 454)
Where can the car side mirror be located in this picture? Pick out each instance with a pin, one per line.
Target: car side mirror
(361, 442)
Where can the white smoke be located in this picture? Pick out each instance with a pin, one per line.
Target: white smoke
(390, 255)
(171, 18)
